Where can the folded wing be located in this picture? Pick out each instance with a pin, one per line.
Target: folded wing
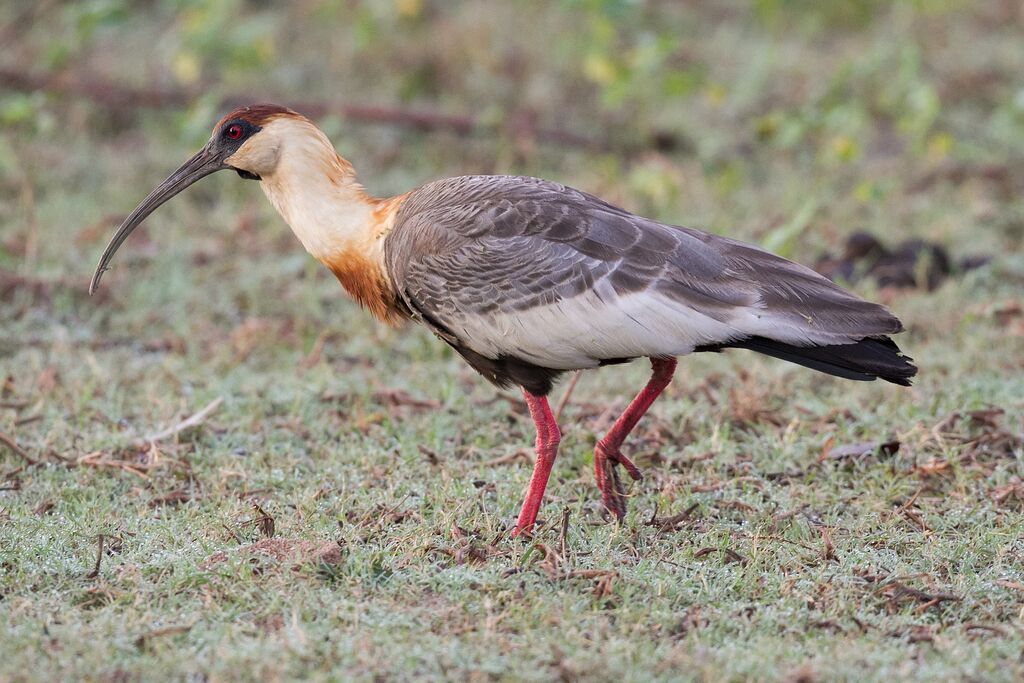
(525, 269)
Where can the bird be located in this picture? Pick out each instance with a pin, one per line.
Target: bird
(527, 279)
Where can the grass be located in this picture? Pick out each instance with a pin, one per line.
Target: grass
(390, 473)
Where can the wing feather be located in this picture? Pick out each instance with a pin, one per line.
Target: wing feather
(526, 268)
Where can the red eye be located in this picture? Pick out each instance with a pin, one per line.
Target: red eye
(233, 132)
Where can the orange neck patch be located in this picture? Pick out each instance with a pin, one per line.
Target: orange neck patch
(366, 283)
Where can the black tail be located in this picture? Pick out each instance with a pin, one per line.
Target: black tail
(866, 360)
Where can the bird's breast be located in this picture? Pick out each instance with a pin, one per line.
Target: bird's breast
(358, 263)
(365, 281)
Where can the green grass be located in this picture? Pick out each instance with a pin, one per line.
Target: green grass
(388, 557)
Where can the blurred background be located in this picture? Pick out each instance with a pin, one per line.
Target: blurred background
(816, 119)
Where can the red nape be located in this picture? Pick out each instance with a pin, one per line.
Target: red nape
(548, 437)
(607, 454)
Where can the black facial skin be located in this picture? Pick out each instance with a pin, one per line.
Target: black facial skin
(231, 145)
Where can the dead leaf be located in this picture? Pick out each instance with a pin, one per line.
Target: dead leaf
(171, 498)
(730, 555)
(396, 398)
(896, 592)
(931, 467)
(1012, 491)
(146, 638)
(828, 552)
(604, 585)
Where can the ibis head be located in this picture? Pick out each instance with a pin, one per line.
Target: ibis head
(238, 143)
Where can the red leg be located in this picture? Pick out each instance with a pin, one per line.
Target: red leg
(607, 454)
(548, 438)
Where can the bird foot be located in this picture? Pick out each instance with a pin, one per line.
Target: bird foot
(606, 461)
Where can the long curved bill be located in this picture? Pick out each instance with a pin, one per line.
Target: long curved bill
(205, 162)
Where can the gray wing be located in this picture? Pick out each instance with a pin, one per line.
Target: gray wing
(521, 267)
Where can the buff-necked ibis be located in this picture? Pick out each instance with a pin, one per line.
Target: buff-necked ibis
(527, 279)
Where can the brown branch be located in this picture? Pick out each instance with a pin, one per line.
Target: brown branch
(895, 590)
(17, 450)
(111, 95)
(564, 533)
(564, 401)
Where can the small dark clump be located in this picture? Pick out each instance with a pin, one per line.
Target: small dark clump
(911, 263)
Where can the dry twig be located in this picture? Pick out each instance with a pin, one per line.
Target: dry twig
(669, 523)
(99, 558)
(508, 458)
(562, 402)
(188, 423)
(99, 459)
(145, 638)
(564, 533)
(730, 555)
